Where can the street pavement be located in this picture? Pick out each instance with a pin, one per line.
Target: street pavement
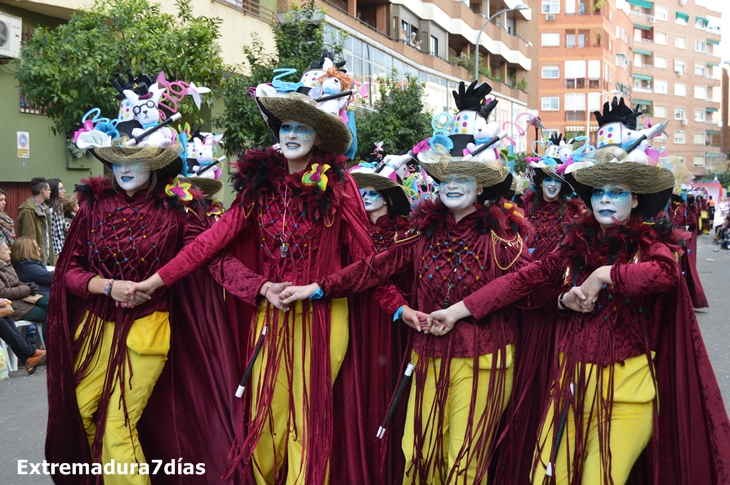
(23, 408)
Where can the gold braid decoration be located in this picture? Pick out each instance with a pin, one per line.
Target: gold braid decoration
(517, 240)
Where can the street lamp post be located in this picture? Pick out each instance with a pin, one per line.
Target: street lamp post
(520, 6)
(588, 108)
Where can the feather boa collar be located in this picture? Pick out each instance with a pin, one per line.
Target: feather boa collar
(93, 189)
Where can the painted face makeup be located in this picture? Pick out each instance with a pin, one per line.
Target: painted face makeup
(612, 204)
(372, 199)
(458, 192)
(551, 189)
(131, 177)
(296, 140)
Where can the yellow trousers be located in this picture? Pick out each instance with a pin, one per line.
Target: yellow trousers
(148, 344)
(455, 424)
(277, 439)
(630, 427)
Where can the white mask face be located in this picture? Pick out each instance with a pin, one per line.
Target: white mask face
(372, 199)
(612, 204)
(131, 177)
(551, 189)
(296, 140)
(458, 192)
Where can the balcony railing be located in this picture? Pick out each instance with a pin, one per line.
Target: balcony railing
(639, 13)
(254, 9)
(646, 41)
(575, 116)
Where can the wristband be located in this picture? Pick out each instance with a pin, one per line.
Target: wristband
(562, 303)
(267, 289)
(108, 287)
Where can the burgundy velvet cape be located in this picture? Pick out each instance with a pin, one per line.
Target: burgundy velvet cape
(687, 216)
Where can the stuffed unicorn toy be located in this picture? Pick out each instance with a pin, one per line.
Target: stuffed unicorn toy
(145, 109)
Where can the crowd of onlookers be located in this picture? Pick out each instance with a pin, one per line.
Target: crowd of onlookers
(28, 251)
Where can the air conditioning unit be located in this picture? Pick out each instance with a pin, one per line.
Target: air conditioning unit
(683, 2)
(684, 121)
(679, 72)
(11, 29)
(651, 19)
(550, 17)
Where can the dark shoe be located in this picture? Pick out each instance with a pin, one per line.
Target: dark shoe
(35, 360)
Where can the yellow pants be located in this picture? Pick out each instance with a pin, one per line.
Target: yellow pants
(148, 343)
(276, 440)
(631, 426)
(454, 430)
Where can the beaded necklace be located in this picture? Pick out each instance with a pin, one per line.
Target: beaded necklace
(284, 229)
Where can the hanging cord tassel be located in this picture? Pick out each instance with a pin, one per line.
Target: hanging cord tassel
(249, 367)
(406, 375)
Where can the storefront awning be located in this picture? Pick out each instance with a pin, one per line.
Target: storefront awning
(683, 16)
(643, 78)
(712, 64)
(642, 3)
(711, 110)
(642, 101)
(713, 41)
(643, 52)
(642, 27)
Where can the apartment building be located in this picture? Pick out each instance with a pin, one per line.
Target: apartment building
(676, 75)
(430, 41)
(584, 59)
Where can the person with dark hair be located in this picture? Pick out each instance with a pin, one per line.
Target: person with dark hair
(26, 258)
(26, 352)
(58, 223)
(70, 208)
(7, 225)
(34, 219)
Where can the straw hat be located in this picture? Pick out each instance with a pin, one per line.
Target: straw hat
(208, 186)
(494, 178)
(395, 194)
(652, 184)
(165, 161)
(332, 135)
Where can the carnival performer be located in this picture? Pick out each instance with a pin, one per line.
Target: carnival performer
(685, 215)
(105, 353)
(549, 206)
(297, 217)
(462, 382)
(630, 369)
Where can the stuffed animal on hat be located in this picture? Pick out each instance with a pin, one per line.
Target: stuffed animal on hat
(333, 82)
(558, 149)
(145, 110)
(484, 132)
(203, 152)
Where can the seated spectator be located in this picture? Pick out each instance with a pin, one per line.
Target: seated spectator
(26, 259)
(7, 226)
(70, 208)
(26, 353)
(17, 292)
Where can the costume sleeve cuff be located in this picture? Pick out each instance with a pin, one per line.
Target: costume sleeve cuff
(398, 313)
(317, 295)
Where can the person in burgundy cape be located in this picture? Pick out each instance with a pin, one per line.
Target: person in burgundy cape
(685, 215)
(106, 350)
(462, 383)
(298, 216)
(632, 383)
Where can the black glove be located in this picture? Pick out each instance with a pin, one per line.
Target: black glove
(33, 288)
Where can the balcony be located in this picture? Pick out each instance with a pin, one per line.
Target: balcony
(575, 116)
(646, 41)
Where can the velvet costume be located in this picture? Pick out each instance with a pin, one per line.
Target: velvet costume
(112, 236)
(451, 259)
(549, 220)
(686, 216)
(322, 230)
(644, 311)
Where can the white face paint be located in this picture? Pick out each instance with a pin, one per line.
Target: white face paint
(612, 204)
(372, 199)
(296, 140)
(551, 189)
(458, 192)
(131, 177)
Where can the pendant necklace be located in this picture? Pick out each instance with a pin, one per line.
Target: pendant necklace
(284, 248)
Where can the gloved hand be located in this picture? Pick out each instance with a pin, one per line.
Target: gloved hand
(33, 288)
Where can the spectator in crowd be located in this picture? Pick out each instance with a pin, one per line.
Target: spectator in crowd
(404, 36)
(7, 226)
(26, 353)
(70, 208)
(711, 212)
(58, 223)
(34, 219)
(24, 296)
(414, 41)
(26, 259)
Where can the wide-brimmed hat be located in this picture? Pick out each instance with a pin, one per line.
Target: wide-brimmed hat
(332, 135)
(398, 202)
(652, 184)
(207, 186)
(165, 161)
(494, 178)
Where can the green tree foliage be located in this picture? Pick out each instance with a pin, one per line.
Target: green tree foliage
(399, 119)
(67, 69)
(520, 162)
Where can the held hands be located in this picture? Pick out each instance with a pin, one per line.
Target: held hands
(592, 286)
(441, 322)
(125, 295)
(273, 293)
(415, 319)
(294, 293)
(575, 300)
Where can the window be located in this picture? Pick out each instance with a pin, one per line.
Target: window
(434, 46)
(550, 6)
(699, 116)
(660, 38)
(700, 92)
(570, 40)
(679, 137)
(678, 113)
(699, 137)
(550, 72)
(550, 39)
(700, 69)
(660, 62)
(638, 59)
(698, 161)
(679, 67)
(551, 103)
(700, 46)
(575, 102)
(680, 42)
(643, 85)
(660, 87)
(660, 13)
(680, 159)
(660, 111)
(700, 23)
(680, 89)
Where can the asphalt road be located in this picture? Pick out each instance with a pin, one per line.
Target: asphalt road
(23, 408)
